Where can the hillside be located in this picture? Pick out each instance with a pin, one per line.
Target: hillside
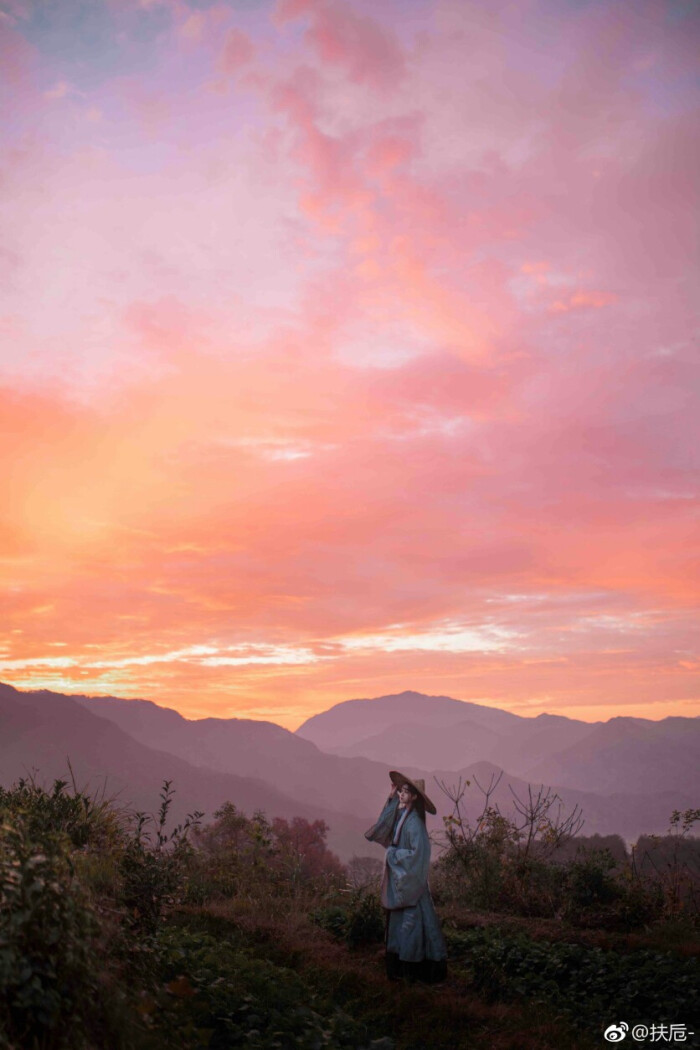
(621, 756)
(40, 732)
(644, 756)
(356, 785)
(285, 774)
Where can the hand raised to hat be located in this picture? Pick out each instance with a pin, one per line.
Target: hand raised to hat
(393, 790)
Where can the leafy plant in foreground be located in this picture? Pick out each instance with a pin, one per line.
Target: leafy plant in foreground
(587, 984)
(213, 986)
(154, 864)
(48, 961)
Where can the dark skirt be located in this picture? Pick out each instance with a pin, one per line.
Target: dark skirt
(430, 971)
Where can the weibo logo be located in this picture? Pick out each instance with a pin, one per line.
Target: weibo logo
(615, 1033)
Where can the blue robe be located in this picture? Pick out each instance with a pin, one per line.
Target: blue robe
(413, 930)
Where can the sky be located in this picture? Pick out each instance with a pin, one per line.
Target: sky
(348, 348)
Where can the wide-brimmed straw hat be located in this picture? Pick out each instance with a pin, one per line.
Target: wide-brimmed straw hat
(418, 786)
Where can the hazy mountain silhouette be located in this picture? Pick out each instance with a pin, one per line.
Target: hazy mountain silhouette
(413, 743)
(643, 756)
(516, 746)
(356, 785)
(40, 731)
(353, 720)
(250, 748)
(259, 765)
(623, 755)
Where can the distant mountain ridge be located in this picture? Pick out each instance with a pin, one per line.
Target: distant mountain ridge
(620, 755)
(260, 765)
(41, 732)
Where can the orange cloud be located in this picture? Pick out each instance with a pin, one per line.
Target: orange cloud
(582, 301)
(312, 390)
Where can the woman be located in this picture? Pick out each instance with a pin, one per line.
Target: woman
(415, 947)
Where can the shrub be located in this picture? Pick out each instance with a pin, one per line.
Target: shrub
(598, 894)
(359, 922)
(48, 958)
(587, 984)
(365, 924)
(284, 858)
(212, 986)
(87, 820)
(671, 864)
(154, 865)
(364, 873)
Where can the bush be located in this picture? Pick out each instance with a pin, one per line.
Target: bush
(359, 922)
(284, 858)
(87, 820)
(48, 955)
(597, 894)
(154, 865)
(671, 864)
(593, 888)
(212, 986)
(587, 984)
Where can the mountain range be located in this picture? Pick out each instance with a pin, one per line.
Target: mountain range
(626, 774)
(620, 755)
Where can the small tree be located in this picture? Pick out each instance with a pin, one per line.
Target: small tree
(500, 854)
(672, 861)
(539, 825)
(303, 851)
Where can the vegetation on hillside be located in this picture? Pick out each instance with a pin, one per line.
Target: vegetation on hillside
(120, 931)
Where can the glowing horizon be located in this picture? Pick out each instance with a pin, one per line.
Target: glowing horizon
(350, 348)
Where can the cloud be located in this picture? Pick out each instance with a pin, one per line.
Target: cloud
(363, 48)
(237, 52)
(60, 90)
(375, 373)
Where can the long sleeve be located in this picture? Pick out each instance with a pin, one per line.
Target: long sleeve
(408, 865)
(382, 831)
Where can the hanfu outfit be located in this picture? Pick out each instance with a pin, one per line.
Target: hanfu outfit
(415, 947)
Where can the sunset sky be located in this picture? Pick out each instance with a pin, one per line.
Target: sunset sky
(349, 348)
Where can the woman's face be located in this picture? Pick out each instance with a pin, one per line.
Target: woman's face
(406, 796)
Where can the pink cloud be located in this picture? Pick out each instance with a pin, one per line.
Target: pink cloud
(588, 300)
(309, 360)
(237, 52)
(363, 48)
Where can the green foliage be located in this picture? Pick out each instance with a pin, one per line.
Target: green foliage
(597, 893)
(282, 859)
(488, 874)
(567, 850)
(48, 957)
(101, 945)
(671, 864)
(57, 849)
(154, 865)
(365, 920)
(359, 922)
(87, 820)
(218, 995)
(333, 918)
(587, 984)
(500, 866)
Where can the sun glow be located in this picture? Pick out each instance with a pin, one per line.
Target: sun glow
(307, 393)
